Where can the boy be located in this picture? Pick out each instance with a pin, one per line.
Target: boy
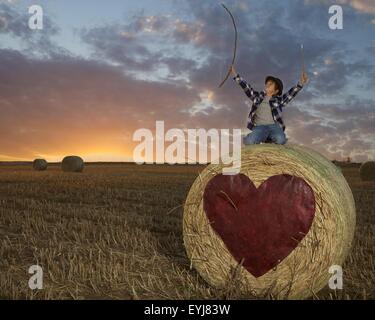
(265, 118)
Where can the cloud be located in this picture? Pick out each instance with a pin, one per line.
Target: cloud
(209, 34)
(144, 45)
(364, 6)
(14, 24)
(79, 105)
(367, 6)
(337, 131)
(167, 67)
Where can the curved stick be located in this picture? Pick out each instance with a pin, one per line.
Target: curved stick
(302, 59)
(235, 45)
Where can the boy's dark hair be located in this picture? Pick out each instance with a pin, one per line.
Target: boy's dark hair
(278, 83)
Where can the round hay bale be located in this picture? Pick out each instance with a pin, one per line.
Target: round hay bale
(275, 228)
(367, 171)
(40, 165)
(72, 164)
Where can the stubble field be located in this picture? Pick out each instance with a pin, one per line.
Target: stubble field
(115, 232)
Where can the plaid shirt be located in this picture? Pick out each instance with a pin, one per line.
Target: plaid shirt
(277, 103)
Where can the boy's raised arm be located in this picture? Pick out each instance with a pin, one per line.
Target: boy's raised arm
(290, 95)
(250, 92)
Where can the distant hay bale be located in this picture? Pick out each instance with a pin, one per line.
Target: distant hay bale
(72, 164)
(367, 171)
(40, 165)
(276, 228)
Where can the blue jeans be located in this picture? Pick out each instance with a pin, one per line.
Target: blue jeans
(261, 133)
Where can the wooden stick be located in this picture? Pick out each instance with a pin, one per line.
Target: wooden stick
(303, 59)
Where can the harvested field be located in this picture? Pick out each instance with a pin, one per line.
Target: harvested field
(115, 232)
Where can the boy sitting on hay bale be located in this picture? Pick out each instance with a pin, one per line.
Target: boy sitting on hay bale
(265, 118)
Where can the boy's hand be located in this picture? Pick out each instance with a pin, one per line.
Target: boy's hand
(304, 78)
(233, 71)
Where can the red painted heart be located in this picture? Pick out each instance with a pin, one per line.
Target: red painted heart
(260, 227)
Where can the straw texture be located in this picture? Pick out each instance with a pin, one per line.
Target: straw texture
(72, 164)
(40, 165)
(305, 270)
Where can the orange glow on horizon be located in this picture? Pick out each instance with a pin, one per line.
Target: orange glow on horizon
(88, 154)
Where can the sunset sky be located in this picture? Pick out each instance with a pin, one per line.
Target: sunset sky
(99, 70)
